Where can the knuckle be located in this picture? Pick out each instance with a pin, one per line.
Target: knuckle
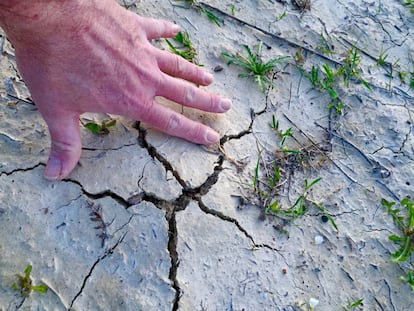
(173, 123)
(146, 112)
(179, 66)
(213, 103)
(190, 94)
(197, 131)
(65, 146)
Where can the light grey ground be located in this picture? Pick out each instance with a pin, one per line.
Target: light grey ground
(182, 226)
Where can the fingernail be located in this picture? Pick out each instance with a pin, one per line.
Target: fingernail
(225, 104)
(212, 137)
(176, 28)
(208, 78)
(53, 169)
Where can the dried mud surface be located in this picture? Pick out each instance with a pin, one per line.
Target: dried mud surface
(151, 222)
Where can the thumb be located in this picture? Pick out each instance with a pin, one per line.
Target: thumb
(65, 147)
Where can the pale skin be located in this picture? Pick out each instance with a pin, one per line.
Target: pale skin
(81, 56)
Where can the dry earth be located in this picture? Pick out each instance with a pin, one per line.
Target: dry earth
(151, 222)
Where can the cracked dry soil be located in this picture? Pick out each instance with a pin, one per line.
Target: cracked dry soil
(150, 222)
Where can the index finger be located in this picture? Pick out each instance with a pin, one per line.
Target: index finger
(157, 28)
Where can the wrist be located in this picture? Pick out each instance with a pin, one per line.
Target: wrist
(36, 24)
(27, 20)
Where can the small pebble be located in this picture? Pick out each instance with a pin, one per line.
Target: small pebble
(218, 68)
(318, 239)
(313, 303)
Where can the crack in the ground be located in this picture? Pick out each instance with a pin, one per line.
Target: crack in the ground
(206, 6)
(239, 135)
(170, 207)
(104, 194)
(107, 253)
(172, 249)
(17, 170)
(152, 151)
(226, 218)
(390, 37)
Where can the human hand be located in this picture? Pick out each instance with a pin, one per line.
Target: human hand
(94, 56)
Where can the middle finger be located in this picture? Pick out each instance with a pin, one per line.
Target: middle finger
(189, 95)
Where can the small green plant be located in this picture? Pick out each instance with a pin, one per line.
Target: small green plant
(382, 58)
(185, 49)
(350, 69)
(254, 65)
(326, 46)
(404, 76)
(194, 4)
(411, 83)
(24, 284)
(404, 220)
(233, 9)
(409, 279)
(299, 57)
(409, 4)
(328, 79)
(100, 129)
(282, 134)
(256, 172)
(272, 173)
(281, 16)
(299, 208)
(354, 304)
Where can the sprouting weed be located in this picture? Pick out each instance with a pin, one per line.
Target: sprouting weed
(326, 46)
(194, 4)
(299, 57)
(409, 4)
(254, 65)
(402, 75)
(314, 76)
(282, 134)
(404, 220)
(328, 79)
(24, 284)
(382, 58)
(272, 173)
(185, 49)
(233, 9)
(354, 304)
(100, 129)
(281, 16)
(409, 279)
(350, 69)
(299, 208)
(256, 172)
